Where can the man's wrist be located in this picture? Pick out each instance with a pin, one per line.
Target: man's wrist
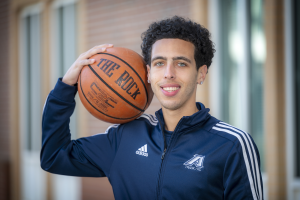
(66, 81)
(64, 91)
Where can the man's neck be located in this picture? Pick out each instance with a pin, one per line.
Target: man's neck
(172, 117)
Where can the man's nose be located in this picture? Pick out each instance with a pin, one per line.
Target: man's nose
(170, 71)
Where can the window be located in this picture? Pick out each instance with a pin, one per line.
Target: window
(64, 49)
(30, 84)
(63, 54)
(242, 60)
(30, 102)
(258, 56)
(65, 33)
(231, 53)
(297, 83)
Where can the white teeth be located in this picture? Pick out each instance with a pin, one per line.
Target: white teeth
(170, 89)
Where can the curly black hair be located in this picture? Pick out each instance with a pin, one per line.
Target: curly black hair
(180, 28)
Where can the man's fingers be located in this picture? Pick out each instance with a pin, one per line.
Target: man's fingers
(86, 62)
(95, 50)
(98, 49)
(92, 52)
(103, 45)
(72, 74)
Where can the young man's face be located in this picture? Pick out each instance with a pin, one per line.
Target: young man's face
(173, 73)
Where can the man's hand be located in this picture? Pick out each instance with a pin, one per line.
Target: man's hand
(71, 77)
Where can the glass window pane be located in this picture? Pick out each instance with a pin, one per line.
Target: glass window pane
(31, 51)
(229, 84)
(69, 35)
(27, 64)
(65, 47)
(297, 79)
(35, 81)
(258, 54)
(234, 37)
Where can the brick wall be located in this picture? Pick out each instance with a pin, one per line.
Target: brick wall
(121, 23)
(4, 100)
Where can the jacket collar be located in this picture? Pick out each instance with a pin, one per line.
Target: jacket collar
(197, 119)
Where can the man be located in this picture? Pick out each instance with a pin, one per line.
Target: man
(182, 153)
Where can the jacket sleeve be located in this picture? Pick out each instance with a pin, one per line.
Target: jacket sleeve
(87, 157)
(242, 175)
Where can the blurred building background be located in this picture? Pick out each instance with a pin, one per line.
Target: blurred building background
(253, 83)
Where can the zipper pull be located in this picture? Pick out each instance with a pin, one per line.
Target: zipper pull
(163, 155)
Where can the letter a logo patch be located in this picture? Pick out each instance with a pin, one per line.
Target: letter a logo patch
(195, 163)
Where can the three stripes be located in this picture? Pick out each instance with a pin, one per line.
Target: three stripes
(152, 119)
(247, 146)
(143, 148)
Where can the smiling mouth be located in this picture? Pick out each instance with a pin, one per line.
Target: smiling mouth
(170, 89)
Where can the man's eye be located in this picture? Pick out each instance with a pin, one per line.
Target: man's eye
(181, 64)
(159, 64)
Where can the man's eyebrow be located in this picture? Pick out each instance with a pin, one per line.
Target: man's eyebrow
(182, 58)
(158, 57)
(174, 58)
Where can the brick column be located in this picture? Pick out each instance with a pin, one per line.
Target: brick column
(199, 14)
(274, 99)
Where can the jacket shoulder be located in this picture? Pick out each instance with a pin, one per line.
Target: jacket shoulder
(230, 132)
(148, 119)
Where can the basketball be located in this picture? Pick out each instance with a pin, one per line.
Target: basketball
(115, 89)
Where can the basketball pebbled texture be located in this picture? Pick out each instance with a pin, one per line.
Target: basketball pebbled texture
(115, 89)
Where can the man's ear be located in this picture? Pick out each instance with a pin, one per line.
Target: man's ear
(202, 71)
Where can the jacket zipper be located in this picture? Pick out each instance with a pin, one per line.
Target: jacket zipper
(163, 156)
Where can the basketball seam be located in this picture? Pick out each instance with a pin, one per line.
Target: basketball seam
(99, 110)
(134, 72)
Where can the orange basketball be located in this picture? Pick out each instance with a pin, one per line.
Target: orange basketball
(115, 88)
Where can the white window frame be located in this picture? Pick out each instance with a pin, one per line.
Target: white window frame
(63, 186)
(33, 178)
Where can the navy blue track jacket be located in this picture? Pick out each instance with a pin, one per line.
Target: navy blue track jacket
(203, 158)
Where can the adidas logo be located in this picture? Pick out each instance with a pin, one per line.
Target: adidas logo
(142, 151)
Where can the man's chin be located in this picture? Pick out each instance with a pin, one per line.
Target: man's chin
(171, 105)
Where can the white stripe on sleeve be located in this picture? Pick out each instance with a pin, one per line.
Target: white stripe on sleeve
(245, 158)
(150, 118)
(112, 126)
(256, 168)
